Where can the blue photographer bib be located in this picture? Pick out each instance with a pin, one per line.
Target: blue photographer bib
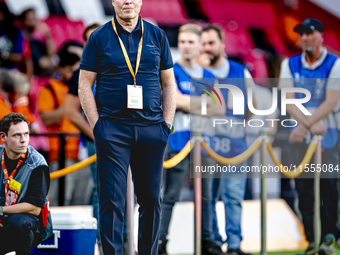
(229, 140)
(315, 81)
(188, 86)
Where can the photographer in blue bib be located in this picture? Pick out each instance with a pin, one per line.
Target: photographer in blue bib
(317, 71)
(131, 115)
(24, 184)
(187, 74)
(228, 141)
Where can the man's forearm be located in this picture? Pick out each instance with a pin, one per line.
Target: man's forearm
(186, 102)
(297, 115)
(80, 122)
(169, 103)
(86, 97)
(22, 208)
(52, 117)
(321, 112)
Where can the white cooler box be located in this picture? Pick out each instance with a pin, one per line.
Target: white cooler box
(74, 234)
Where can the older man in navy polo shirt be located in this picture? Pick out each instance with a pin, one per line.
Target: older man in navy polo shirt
(131, 115)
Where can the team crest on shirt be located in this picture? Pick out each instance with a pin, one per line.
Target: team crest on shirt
(185, 85)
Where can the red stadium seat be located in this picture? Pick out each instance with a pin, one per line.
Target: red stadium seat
(165, 12)
(238, 42)
(64, 29)
(245, 13)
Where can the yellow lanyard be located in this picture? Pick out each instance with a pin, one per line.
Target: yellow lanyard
(127, 59)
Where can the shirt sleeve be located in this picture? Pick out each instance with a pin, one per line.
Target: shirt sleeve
(286, 77)
(166, 58)
(334, 75)
(38, 187)
(45, 100)
(90, 58)
(73, 84)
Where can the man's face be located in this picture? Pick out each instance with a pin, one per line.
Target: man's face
(310, 41)
(189, 45)
(17, 138)
(127, 9)
(30, 21)
(212, 45)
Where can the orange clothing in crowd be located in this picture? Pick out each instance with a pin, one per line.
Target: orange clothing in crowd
(21, 105)
(4, 110)
(48, 101)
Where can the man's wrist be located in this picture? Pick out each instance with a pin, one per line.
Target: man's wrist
(169, 125)
(305, 125)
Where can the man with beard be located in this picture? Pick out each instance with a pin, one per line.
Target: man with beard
(227, 142)
(315, 70)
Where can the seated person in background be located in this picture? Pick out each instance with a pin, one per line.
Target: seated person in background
(52, 108)
(21, 201)
(40, 39)
(14, 50)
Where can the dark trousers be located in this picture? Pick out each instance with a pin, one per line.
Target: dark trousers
(328, 193)
(20, 233)
(141, 147)
(173, 184)
(94, 201)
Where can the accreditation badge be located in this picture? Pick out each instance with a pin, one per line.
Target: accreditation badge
(135, 97)
(15, 186)
(10, 197)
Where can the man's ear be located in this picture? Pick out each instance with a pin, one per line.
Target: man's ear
(3, 137)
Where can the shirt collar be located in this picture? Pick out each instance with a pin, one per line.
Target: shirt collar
(317, 63)
(120, 29)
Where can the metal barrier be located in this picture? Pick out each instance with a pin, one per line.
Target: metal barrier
(317, 220)
(264, 162)
(198, 194)
(197, 143)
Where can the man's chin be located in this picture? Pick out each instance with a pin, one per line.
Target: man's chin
(21, 150)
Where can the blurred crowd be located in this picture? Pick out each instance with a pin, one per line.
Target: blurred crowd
(59, 128)
(27, 51)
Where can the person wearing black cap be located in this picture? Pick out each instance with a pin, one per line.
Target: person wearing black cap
(315, 70)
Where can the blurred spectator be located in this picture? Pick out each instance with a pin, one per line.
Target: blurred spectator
(20, 102)
(72, 47)
(88, 31)
(15, 87)
(40, 39)
(51, 106)
(14, 50)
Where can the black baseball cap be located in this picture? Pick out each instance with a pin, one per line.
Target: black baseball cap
(309, 25)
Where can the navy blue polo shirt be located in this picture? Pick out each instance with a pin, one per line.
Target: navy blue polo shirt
(103, 55)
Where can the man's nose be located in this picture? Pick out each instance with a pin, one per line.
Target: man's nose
(303, 36)
(23, 138)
